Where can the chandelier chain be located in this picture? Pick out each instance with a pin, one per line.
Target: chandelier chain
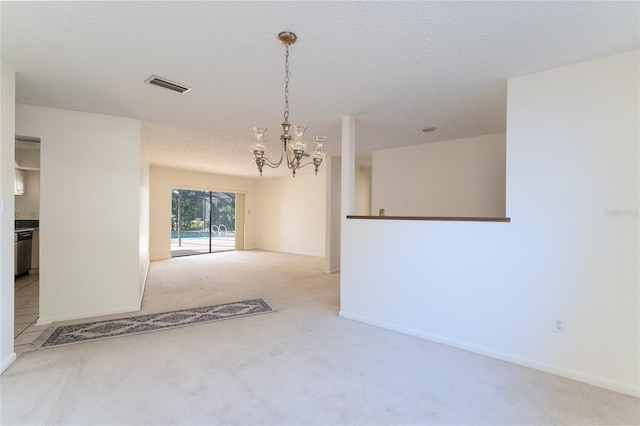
(287, 76)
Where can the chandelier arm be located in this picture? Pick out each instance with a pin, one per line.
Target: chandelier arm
(273, 164)
(293, 164)
(291, 160)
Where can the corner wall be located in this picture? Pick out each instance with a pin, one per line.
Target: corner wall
(143, 248)
(7, 158)
(571, 251)
(333, 215)
(291, 213)
(461, 177)
(90, 212)
(363, 189)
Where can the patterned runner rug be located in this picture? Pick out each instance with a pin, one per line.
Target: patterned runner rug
(76, 333)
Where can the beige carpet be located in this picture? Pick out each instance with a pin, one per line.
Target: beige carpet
(303, 365)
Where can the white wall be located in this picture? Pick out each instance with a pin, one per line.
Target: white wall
(143, 244)
(90, 211)
(362, 196)
(164, 179)
(461, 177)
(333, 215)
(7, 164)
(290, 213)
(570, 253)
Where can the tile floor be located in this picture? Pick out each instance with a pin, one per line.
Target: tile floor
(27, 305)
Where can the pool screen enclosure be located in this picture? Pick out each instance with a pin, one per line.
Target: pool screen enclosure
(202, 222)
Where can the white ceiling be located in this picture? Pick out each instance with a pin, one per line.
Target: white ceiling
(397, 67)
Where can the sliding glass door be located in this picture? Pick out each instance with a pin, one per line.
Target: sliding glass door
(202, 222)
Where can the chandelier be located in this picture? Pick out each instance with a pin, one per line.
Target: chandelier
(294, 147)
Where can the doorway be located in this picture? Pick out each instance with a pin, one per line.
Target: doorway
(202, 222)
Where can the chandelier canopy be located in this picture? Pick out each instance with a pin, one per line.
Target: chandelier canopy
(294, 147)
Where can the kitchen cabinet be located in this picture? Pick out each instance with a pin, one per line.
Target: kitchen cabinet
(19, 182)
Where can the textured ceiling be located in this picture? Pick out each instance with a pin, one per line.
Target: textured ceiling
(397, 67)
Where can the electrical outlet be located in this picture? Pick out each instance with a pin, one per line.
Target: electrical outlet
(558, 325)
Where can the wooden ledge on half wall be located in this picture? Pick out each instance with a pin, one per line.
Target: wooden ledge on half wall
(435, 218)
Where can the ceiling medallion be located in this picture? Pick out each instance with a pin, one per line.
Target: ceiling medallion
(294, 146)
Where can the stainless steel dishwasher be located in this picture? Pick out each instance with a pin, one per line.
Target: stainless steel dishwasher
(23, 240)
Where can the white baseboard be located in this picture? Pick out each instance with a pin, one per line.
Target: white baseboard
(7, 362)
(86, 315)
(504, 356)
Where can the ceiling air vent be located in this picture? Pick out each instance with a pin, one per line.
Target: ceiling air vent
(168, 84)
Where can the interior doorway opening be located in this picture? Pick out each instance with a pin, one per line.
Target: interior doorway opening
(202, 222)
